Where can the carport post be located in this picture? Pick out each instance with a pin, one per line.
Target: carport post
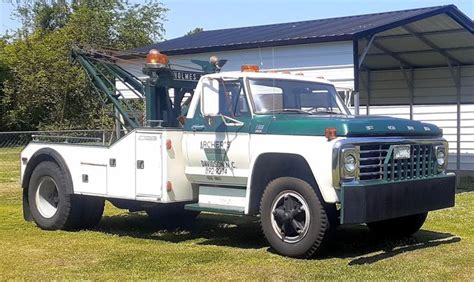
(412, 91)
(356, 103)
(456, 74)
(355, 50)
(458, 121)
(410, 84)
(368, 92)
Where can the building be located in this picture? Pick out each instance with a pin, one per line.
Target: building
(416, 64)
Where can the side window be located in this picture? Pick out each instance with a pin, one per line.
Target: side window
(242, 108)
(225, 98)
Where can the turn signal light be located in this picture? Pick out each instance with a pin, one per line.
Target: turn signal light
(155, 57)
(249, 68)
(330, 133)
(169, 186)
(169, 144)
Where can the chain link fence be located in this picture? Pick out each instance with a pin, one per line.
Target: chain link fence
(12, 143)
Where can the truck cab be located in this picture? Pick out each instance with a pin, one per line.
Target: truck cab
(281, 147)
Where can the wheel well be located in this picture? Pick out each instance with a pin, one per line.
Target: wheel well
(270, 166)
(46, 154)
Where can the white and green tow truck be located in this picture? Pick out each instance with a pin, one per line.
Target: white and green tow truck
(282, 147)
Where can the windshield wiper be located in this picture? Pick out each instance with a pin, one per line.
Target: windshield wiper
(329, 112)
(316, 111)
(299, 111)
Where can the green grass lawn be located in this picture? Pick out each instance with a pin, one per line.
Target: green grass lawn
(10, 164)
(129, 246)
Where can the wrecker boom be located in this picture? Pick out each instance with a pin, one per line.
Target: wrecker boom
(160, 108)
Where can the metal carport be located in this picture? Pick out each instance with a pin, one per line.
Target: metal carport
(425, 64)
(407, 63)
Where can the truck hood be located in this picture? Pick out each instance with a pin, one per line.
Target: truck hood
(348, 126)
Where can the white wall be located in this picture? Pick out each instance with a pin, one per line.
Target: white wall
(432, 86)
(435, 94)
(332, 61)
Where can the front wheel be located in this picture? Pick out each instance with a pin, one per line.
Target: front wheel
(399, 227)
(293, 219)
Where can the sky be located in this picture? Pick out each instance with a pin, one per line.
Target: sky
(185, 15)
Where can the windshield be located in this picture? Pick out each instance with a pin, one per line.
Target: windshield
(295, 96)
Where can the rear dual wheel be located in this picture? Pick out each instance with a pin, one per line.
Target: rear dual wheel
(52, 208)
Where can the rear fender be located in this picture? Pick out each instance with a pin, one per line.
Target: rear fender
(44, 154)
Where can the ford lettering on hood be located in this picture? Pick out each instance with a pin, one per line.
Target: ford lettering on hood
(348, 126)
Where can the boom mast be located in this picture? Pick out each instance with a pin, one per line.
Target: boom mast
(160, 110)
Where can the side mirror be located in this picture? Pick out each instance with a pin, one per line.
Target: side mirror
(210, 97)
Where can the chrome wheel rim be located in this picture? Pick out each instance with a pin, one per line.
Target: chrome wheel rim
(47, 197)
(290, 216)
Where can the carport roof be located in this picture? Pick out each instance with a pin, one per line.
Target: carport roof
(294, 33)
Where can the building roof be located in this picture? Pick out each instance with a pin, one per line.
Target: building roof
(313, 31)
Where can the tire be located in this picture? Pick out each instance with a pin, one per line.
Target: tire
(92, 210)
(52, 208)
(293, 218)
(399, 227)
(171, 215)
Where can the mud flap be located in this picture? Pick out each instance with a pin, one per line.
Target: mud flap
(26, 206)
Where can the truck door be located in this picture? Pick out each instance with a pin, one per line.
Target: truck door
(148, 165)
(217, 136)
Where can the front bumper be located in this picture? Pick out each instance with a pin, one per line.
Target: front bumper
(362, 203)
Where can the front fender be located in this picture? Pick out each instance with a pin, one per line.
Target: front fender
(315, 150)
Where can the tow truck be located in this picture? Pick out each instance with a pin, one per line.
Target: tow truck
(281, 147)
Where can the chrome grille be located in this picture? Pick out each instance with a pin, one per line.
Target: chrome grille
(377, 162)
(371, 158)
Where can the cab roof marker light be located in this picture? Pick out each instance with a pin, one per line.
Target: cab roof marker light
(249, 68)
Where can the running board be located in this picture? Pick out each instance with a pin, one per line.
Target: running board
(215, 208)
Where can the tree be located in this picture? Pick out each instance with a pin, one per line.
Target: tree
(4, 75)
(42, 89)
(195, 31)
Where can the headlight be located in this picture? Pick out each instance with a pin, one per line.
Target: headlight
(350, 163)
(440, 155)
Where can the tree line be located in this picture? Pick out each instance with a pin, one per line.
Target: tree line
(40, 87)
